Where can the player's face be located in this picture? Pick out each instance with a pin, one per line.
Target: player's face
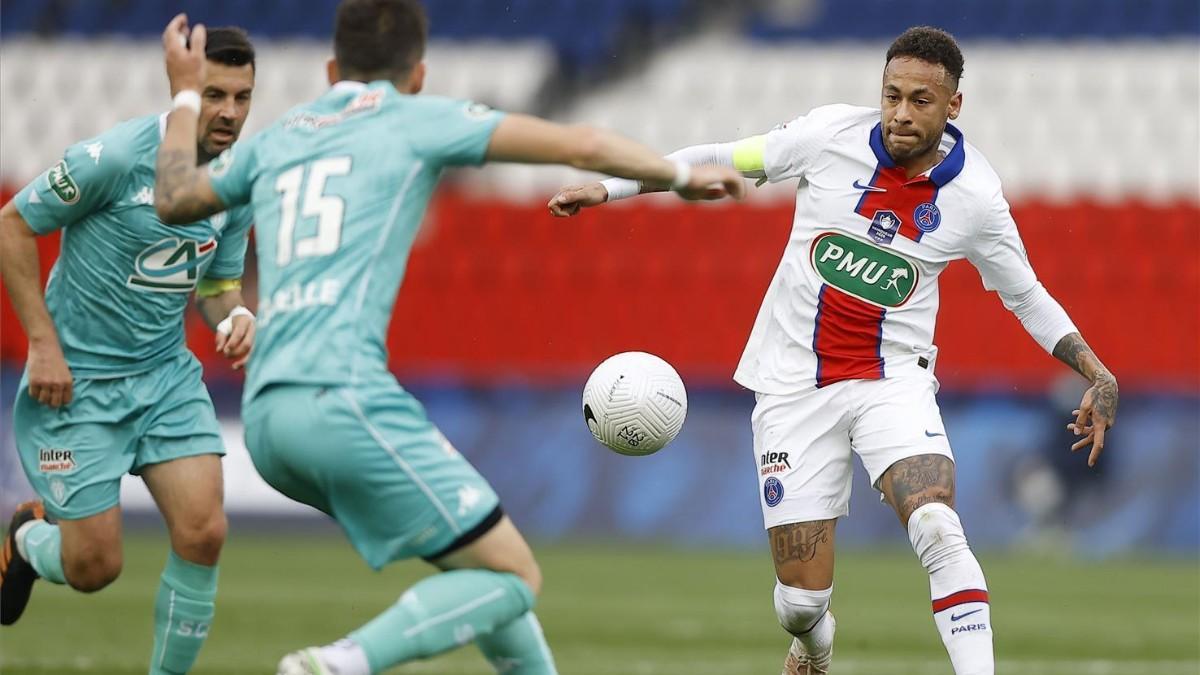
(225, 103)
(918, 98)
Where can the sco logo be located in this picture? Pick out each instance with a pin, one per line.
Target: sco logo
(171, 265)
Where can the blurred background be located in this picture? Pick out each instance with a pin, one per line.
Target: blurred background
(1088, 109)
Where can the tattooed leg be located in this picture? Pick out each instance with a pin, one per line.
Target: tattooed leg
(914, 482)
(803, 554)
(921, 490)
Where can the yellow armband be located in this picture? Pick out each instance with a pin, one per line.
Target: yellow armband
(748, 154)
(207, 288)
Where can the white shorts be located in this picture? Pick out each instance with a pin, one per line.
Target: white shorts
(803, 442)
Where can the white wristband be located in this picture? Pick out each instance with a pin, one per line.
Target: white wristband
(683, 175)
(621, 188)
(226, 325)
(188, 98)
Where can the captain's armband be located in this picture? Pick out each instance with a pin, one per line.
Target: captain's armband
(208, 288)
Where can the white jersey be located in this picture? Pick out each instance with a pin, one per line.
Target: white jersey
(856, 294)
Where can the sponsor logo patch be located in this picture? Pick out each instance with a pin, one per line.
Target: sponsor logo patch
(171, 265)
(969, 628)
(56, 460)
(865, 271)
(62, 184)
(477, 111)
(884, 226)
(773, 462)
(772, 491)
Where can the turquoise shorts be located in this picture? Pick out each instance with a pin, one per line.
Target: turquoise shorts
(369, 457)
(75, 456)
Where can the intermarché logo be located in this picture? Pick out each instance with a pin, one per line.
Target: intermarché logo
(865, 271)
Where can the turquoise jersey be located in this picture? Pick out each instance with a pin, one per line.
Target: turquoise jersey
(120, 287)
(338, 188)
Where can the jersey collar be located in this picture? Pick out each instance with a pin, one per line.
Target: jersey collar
(943, 172)
(348, 85)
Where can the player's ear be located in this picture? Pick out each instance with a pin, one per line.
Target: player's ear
(332, 72)
(416, 81)
(956, 105)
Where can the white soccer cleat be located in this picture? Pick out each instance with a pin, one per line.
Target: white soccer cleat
(800, 662)
(304, 662)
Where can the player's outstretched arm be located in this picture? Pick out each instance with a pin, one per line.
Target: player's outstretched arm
(182, 192)
(745, 156)
(50, 379)
(1098, 410)
(531, 140)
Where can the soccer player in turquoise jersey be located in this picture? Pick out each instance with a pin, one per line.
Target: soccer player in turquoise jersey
(338, 188)
(109, 386)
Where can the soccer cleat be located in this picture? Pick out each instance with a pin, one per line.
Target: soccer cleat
(800, 662)
(16, 574)
(304, 662)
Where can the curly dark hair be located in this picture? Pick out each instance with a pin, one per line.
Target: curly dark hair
(929, 44)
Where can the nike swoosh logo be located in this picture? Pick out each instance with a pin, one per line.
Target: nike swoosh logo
(868, 188)
(956, 617)
(929, 435)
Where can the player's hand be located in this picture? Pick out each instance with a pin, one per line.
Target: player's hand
(183, 51)
(50, 381)
(1096, 414)
(238, 342)
(572, 199)
(714, 182)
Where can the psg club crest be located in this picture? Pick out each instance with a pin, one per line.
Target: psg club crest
(927, 217)
(884, 226)
(773, 491)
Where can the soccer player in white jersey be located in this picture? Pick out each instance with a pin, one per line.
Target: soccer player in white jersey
(841, 356)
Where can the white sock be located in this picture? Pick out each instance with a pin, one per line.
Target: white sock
(956, 584)
(805, 614)
(20, 536)
(345, 657)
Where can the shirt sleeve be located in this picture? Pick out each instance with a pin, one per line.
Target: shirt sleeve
(233, 172)
(85, 180)
(789, 149)
(456, 133)
(230, 259)
(998, 253)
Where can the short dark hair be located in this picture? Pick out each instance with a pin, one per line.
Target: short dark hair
(929, 44)
(379, 39)
(229, 45)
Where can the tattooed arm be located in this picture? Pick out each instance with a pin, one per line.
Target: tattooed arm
(182, 193)
(1098, 410)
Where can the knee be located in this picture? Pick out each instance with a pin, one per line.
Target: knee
(199, 540)
(531, 574)
(936, 534)
(93, 568)
(800, 609)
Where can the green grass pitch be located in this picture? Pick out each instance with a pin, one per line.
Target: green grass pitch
(634, 610)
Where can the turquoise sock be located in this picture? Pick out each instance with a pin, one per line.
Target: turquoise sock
(440, 613)
(518, 648)
(42, 546)
(183, 612)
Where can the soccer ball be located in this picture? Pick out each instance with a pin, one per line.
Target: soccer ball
(634, 403)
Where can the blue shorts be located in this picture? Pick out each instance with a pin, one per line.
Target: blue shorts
(75, 456)
(369, 457)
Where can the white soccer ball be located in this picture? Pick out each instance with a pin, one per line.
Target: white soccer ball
(634, 403)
